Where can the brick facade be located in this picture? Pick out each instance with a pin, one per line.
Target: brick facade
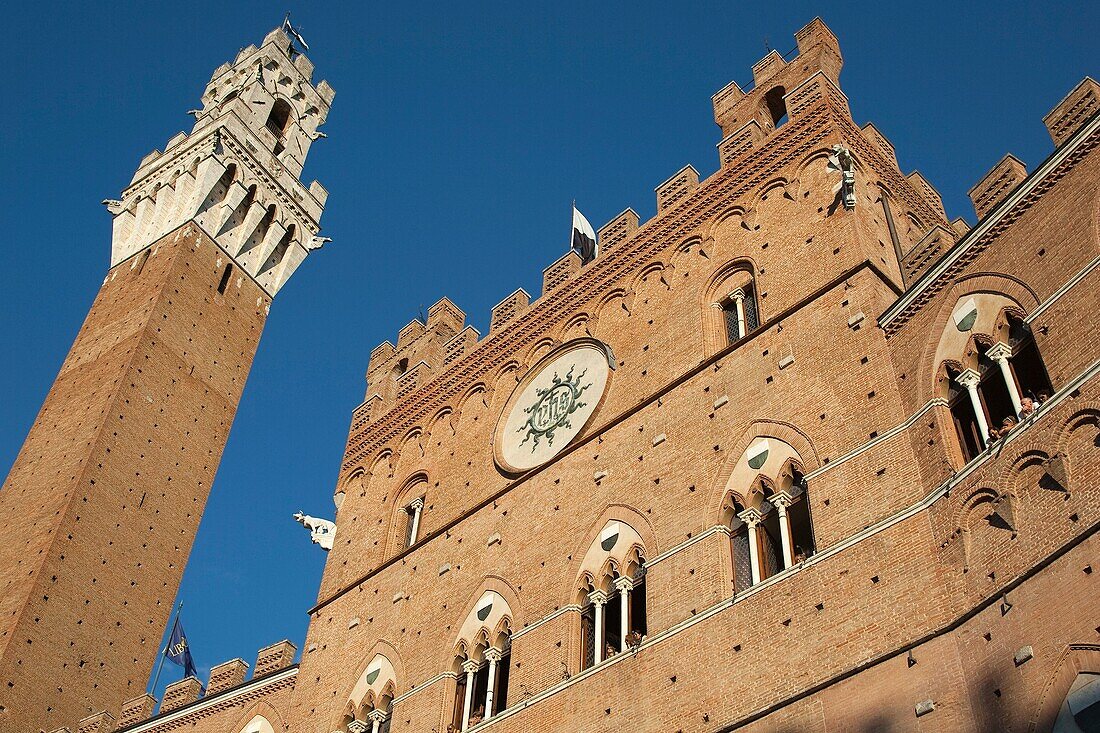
(779, 345)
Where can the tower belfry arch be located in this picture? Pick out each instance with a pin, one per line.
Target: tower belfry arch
(111, 482)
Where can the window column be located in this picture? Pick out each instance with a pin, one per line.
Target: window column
(1000, 352)
(624, 585)
(598, 598)
(970, 379)
(377, 718)
(357, 726)
(470, 667)
(752, 519)
(493, 655)
(781, 501)
(738, 297)
(414, 521)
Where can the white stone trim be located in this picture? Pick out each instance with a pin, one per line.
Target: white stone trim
(979, 231)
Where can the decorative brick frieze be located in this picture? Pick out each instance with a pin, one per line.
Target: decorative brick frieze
(1079, 105)
(767, 67)
(136, 710)
(226, 675)
(740, 142)
(678, 187)
(509, 309)
(273, 658)
(561, 271)
(181, 693)
(98, 723)
(618, 230)
(995, 185)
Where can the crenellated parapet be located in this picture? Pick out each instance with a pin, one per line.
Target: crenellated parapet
(237, 173)
(225, 679)
(422, 348)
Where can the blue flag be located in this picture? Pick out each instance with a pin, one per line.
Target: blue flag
(178, 650)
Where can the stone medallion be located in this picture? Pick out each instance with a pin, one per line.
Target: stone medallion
(552, 404)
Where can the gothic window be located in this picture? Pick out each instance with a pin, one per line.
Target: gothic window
(776, 107)
(770, 529)
(991, 370)
(371, 700)
(279, 119)
(483, 664)
(612, 594)
(739, 313)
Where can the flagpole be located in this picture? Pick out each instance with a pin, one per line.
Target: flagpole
(572, 215)
(160, 666)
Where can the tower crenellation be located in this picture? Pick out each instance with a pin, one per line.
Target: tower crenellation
(237, 173)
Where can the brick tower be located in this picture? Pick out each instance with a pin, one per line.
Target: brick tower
(108, 489)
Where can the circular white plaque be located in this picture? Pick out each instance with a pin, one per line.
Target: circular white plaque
(552, 405)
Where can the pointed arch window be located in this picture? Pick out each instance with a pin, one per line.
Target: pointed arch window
(739, 313)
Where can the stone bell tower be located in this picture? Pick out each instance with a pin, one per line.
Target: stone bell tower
(104, 499)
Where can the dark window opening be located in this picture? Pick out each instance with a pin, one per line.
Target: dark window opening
(279, 119)
(612, 625)
(226, 274)
(638, 622)
(400, 367)
(460, 701)
(477, 702)
(802, 528)
(752, 320)
(588, 636)
(729, 313)
(742, 559)
(769, 543)
(500, 692)
(1031, 373)
(777, 108)
(966, 426)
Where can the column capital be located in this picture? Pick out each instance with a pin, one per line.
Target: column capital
(781, 499)
(969, 379)
(738, 294)
(598, 597)
(358, 726)
(470, 666)
(492, 654)
(623, 583)
(751, 517)
(417, 503)
(378, 715)
(999, 351)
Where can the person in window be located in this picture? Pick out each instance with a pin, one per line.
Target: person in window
(1006, 427)
(1041, 399)
(799, 554)
(634, 639)
(1027, 408)
(477, 716)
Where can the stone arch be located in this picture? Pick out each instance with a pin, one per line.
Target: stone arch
(1011, 289)
(784, 432)
(499, 622)
(1074, 660)
(375, 681)
(259, 709)
(739, 272)
(577, 326)
(986, 521)
(621, 513)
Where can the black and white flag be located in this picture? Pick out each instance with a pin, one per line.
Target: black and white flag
(584, 238)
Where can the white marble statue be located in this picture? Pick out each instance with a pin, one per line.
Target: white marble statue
(322, 531)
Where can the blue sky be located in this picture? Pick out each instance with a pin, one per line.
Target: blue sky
(458, 137)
